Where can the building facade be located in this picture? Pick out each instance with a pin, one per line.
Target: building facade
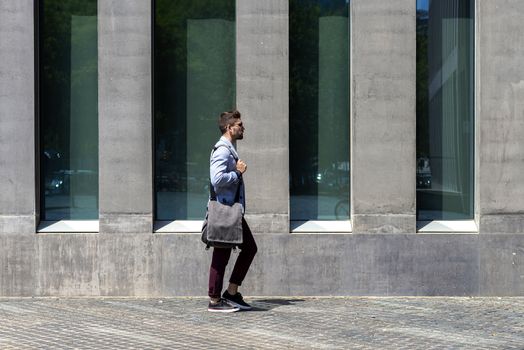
(384, 143)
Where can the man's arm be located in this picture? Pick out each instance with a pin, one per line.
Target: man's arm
(218, 169)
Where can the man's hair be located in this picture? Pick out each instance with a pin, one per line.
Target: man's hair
(226, 119)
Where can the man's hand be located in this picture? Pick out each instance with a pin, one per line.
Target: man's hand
(241, 166)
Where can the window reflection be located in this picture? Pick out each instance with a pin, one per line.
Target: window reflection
(68, 64)
(194, 81)
(319, 109)
(445, 109)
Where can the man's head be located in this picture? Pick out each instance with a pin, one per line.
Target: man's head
(231, 125)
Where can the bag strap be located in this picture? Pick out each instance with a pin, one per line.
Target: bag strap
(212, 193)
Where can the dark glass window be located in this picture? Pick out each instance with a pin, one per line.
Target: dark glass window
(68, 102)
(194, 81)
(319, 109)
(445, 118)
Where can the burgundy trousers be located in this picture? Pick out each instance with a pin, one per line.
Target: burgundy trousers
(248, 249)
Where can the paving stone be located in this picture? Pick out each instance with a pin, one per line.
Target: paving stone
(275, 323)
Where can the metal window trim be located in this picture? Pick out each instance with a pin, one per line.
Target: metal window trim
(448, 226)
(69, 226)
(321, 227)
(178, 226)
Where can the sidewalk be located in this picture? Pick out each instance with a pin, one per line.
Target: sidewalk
(275, 323)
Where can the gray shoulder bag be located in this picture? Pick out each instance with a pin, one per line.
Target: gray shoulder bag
(222, 226)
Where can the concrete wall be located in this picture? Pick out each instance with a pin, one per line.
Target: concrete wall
(17, 117)
(500, 148)
(177, 264)
(383, 118)
(126, 258)
(262, 97)
(125, 121)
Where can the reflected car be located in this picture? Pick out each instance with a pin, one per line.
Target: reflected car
(423, 181)
(423, 173)
(56, 183)
(335, 176)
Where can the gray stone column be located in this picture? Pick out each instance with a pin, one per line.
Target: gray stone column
(17, 117)
(383, 116)
(124, 63)
(262, 98)
(500, 117)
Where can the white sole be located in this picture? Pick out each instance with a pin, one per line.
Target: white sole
(224, 311)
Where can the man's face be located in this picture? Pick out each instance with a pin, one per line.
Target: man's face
(237, 130)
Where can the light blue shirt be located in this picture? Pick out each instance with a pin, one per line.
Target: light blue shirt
(225, 180)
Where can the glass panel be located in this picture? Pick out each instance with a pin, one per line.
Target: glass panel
(68, 65)
(319, 109)
(445, 124)
(195, 81)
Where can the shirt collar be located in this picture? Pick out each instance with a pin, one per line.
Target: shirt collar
(227, 142)
(229, 145)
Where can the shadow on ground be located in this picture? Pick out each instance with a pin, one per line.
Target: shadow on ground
(269, 304)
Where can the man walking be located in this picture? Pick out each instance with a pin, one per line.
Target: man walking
(226, 171)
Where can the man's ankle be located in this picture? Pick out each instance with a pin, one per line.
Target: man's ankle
(232, 288)
(214, 300)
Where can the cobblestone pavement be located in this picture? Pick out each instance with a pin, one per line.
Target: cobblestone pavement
(275, 323)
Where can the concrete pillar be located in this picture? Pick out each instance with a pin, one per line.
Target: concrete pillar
(262, 98)
(17, 117)
(383, 116)
(125, 122)
(500, 117)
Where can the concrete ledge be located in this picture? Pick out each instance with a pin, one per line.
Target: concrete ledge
(132, 264)
(501, 265)
(126, 223)
(500, 224)
(66, 264)
(384, 224)
(135, 264)
(17, 224)
(17, 265)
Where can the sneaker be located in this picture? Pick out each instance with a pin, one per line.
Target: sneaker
(236, 300)
(222, 306)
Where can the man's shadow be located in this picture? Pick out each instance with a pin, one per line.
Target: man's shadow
(269, 304)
